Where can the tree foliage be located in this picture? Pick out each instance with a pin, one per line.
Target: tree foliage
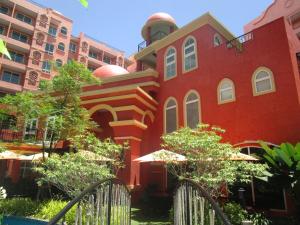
(71, 172)
(208, 158)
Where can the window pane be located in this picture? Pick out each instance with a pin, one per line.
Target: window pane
(189, 49)
(226, 94)
(192, 114)
(6, 76)
(263, 85)
(190, 62)
(262, 74)
(171, 120)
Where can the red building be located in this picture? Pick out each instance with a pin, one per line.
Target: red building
(248, 85)
(201, 73)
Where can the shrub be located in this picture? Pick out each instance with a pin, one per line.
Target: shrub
(259, 219)
(49, 209)
(18, 207)
(235, 213)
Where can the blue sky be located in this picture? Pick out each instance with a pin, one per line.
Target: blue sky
(119, 22)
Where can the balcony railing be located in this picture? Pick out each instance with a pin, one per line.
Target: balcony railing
(239, 41)
(156, 36)
(32, 136)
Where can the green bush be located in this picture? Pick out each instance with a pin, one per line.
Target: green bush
(49, 209)
(18, 207)
(235, 213)
(259, 219)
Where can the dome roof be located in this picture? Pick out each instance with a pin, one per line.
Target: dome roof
(161, 16)
(109, 71)
(158, 20)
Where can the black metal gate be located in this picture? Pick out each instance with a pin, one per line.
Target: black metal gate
(194, 206)
(103, 203)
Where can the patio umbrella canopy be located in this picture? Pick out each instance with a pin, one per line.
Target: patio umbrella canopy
(34, 157)
(161, 155)
(9, 155)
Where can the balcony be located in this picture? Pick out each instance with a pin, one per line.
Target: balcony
(16, 44)
(24, 26)
(239, 41)
(155, 37)
(30, 136)
(16, 66)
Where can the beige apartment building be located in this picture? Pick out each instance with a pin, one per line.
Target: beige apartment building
(36, 36)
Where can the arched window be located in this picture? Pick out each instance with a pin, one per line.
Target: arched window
(170, 120)
(59, 63)
(226, 91)
(61, 46)
(189, 54)
(64, 30)
(217, 40)
(192, 109)
(263, 81)
(170, 63)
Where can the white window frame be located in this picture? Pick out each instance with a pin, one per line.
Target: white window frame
(48, 68)
(48, 48)
(217, 37)
(46, 126)
(51, 31)
(255, 80)
(167, 56)
(185, 103)
(31, 125)
(60, 44)
(64, 31)
(168, 108)
(220, 90)
(184, 55)
(72, 47)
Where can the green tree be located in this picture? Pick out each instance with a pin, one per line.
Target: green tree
(209, 160)
(284, 168)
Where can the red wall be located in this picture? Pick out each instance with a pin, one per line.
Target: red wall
(273, 117)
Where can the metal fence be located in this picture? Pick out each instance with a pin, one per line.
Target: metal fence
(104, 203)
(194, 206)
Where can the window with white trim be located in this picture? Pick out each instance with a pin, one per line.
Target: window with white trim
(49, 48)
(46, 67)
(192, 110)
(170, 63)
(61, 46)
(50, 127)
(170, 116)
(59, 62)
(31, 128)
(64, 31)
(52, 31)
(73, 47)
(189, 54)
(263, 81)
(217, 40)
(226, 92)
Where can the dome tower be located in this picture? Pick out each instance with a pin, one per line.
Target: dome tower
(158, 26)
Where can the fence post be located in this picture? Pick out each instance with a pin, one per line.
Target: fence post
(109, 203)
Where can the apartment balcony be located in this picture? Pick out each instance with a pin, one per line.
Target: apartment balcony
(15, 66)
(96, 62)
(24, 26)
(10, 87)
(15, 44)
(29, 136)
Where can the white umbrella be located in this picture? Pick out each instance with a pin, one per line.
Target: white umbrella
(161, 155)
(34, 157)
(9, 155)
